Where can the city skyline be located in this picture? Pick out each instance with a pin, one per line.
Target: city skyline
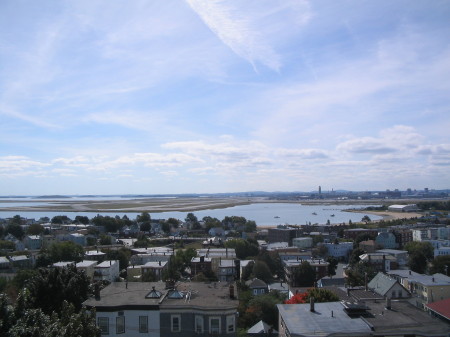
(219, 96)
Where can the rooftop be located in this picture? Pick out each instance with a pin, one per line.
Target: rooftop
(330, 318)
(119, 295)
(428, 280)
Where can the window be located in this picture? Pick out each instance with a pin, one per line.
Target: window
(230, 324)
(198, 324)
(175, 323)
(214, 325)
(120, 324)
(103, 324)
(143, 324)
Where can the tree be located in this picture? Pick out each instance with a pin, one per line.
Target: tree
(60, 219)
(304, 275)
(262, 307)
(441, 264)
(165, 227)
(247, 271)
(173, 222)
(261, 270)
(15, 230)
(426, 248)
(82, 219)
(122, 255)
(35, 229)
(66, 251)
(16, 220)
(333, 263)
(366, 219)
(243, 248)
(354, 256)
(51, 287)
(250, 226)
(357, 273)
(417, 262)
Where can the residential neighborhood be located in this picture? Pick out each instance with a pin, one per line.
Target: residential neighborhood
(155, 278)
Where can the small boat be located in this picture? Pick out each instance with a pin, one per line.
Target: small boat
(314, 213)
(332, 215)
(276, 217)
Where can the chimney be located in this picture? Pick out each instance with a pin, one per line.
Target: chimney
(365, 282)
(97, 291)
(226, 252)
(232, 291)
(202, 258)
(388, 303)
(332, 314)
(432, 279)
(311, 304)
(410, 272)
(159, 262)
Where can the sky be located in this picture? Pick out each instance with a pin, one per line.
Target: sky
(173, 96)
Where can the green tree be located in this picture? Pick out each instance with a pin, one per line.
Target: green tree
(165, 227)
(355, 256)
(441, 264)
(16, 220)
(15, 230)
(60, 219)
(35, 229)
(304, 275)
(243, 248)
(122, 255)
(66, 251)
(105, 240)
(366, 219)
(247, 271)
(417, 262)
(51, 287)
(356, 274)
(333, 263)
(426, 248)
(7, 245)
(175, 223)
(82, 219)
(263, 307)
(250, 226)
(261, 270)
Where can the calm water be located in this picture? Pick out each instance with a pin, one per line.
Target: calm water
(264, 214)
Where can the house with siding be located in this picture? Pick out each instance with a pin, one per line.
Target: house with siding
(107, 271)
(387, 286)
(156, 309)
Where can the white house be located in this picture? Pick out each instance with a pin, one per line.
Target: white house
(107, 271)
(342, 249)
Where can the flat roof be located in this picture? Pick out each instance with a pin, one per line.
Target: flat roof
(428, 280)
(86, 263)
(301, 321)
(330, 318)
(107, 264)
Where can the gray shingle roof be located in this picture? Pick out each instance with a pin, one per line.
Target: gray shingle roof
(381, 284)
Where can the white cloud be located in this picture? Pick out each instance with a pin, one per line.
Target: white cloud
(235, 30)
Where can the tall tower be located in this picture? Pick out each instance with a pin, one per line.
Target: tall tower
(320, 190)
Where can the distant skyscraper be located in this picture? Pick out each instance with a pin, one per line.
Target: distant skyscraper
(320, 190)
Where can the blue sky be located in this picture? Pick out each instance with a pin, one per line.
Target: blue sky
(193, 96)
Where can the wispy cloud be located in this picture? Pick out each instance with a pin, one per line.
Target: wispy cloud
(234, 29)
